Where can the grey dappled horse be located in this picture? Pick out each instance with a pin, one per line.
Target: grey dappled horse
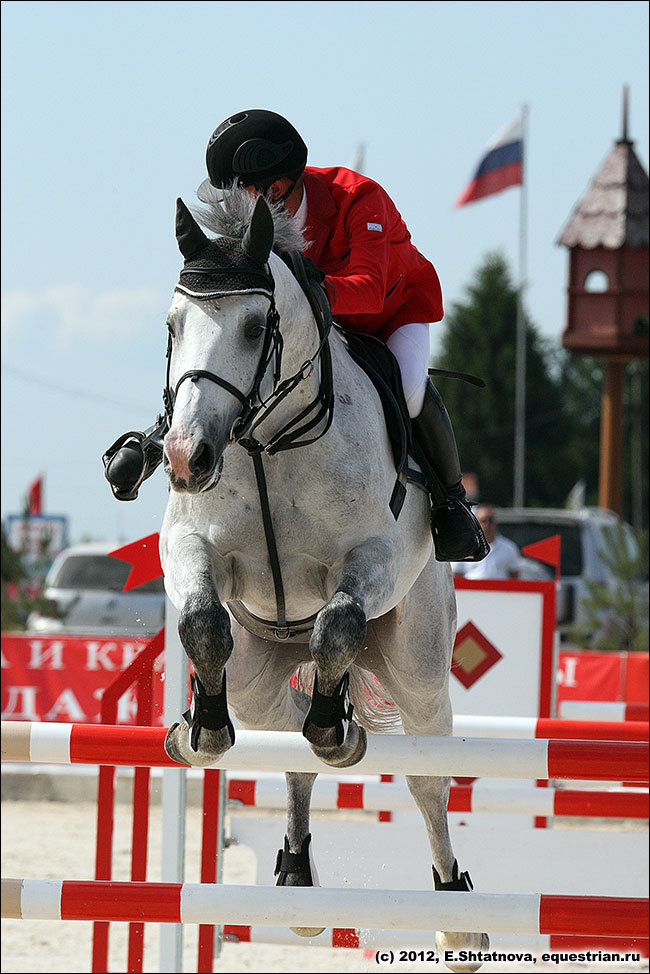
(304, 532)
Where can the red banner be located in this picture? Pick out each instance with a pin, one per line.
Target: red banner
(603, 676)
(62, 678)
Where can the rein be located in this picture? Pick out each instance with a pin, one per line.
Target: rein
(256, 409)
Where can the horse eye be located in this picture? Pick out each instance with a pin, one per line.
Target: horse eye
(254, 330)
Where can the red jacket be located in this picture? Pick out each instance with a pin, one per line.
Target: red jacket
(375, 278)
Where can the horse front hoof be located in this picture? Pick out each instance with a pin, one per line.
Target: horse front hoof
(344, 755)
(212, 745)
(455, 942)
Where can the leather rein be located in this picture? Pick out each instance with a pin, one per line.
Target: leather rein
(255, 410)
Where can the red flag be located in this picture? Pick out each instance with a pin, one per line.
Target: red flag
(35, 497)
(145, 560)
(548, 551)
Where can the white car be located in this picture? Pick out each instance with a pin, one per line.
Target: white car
(84, 586)
(583, 536)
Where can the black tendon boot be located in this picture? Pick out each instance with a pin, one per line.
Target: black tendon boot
(134, 457)
(457, 535)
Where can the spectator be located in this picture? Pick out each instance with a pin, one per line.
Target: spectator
(503, 559)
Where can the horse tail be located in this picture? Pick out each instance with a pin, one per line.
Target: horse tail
(373, 708)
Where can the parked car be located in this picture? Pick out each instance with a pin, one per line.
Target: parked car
(583, 538)
(84, 586)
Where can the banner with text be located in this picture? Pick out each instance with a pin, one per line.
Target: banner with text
(62, 678)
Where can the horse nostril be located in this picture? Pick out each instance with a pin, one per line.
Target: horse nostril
(203, 459)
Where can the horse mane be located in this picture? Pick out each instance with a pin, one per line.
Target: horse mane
(229, 213)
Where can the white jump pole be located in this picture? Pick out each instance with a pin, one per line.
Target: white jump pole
(315, 906)
(386, 754)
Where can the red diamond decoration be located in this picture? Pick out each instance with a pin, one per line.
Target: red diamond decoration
(473, 655)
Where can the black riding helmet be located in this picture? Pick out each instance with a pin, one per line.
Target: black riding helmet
(254, 148)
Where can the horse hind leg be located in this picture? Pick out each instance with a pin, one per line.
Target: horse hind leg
(294, 865)
(413, 669)
(431, 796)
(263, 698)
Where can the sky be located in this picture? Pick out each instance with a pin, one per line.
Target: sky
(106, 112)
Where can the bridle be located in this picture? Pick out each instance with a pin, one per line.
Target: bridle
(255, 409)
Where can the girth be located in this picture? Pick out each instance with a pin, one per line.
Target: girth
(293, 631)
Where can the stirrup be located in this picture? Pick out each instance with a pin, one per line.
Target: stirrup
(457, 535)
(132, 458)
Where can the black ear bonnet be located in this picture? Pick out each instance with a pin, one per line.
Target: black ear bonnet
(223, 266)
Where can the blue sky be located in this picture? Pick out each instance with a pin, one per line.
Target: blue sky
(107, 109)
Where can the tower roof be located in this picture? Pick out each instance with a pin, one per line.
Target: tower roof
(613, 213)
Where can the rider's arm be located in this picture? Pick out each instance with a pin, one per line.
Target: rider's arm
(361, 285)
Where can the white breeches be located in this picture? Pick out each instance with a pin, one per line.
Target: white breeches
(410, 346)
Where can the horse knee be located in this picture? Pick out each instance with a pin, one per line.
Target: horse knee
(339, 631)
(204, 630)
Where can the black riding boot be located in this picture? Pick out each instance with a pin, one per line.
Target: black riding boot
(456, 533)
(134, 457)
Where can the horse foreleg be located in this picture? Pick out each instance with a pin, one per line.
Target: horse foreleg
(362, 583)
(206, 731)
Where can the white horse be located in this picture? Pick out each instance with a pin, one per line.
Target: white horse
(267, 534)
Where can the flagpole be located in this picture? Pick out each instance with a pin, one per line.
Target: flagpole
(520, 348)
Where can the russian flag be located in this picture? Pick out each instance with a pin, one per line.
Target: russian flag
(500, 167)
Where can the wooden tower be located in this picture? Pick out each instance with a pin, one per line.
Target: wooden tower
(607, 237)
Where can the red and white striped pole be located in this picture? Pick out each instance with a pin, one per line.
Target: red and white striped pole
(270, 792)
(534, 913)
(387, 754)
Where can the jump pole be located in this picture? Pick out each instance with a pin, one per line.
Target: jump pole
(387, 754)
(270, 792)
(39, 899)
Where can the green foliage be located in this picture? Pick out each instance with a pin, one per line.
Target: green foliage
(563, 402)
(17, 601)
(616, 613)
(480, 338)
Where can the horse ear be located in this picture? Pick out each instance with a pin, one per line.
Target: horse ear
(258, 238)
(189, 234)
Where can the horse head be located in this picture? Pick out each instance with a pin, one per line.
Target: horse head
(220, 343)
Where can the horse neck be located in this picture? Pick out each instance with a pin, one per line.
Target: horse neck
(300, 341)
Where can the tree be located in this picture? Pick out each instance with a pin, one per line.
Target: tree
(581, 381)
(480, 337)
(616, 612)
(17, 601)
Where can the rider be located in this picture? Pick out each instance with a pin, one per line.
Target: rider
(376, 282)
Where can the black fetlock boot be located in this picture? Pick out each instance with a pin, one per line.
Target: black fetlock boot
(133, 458)
(456, 533)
